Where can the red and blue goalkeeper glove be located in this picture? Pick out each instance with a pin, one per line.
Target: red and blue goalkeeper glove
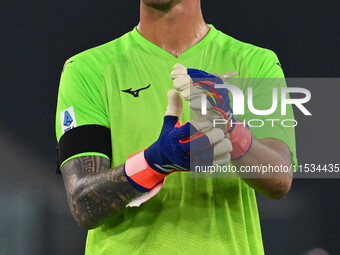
(193, 83)
(176, 148)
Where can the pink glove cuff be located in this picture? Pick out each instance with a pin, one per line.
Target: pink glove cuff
(241, 139)
(140, 174)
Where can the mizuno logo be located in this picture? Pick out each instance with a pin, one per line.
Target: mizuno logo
(135, 93)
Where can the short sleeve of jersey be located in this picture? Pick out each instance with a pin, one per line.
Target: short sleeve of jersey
(268, 82)
(81, 99)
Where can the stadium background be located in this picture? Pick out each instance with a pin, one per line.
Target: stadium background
(38, 36)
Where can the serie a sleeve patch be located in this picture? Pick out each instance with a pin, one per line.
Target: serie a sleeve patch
(68, 119)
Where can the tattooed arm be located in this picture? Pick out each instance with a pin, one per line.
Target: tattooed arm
(94, 191)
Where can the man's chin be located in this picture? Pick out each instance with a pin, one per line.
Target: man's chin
(162, 5)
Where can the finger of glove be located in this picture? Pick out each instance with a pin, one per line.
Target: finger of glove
(196, 104)
(222, 151)
(208, 139)
(217, 120)
(212, 115)
(222, 148)
(182, 82)
(202, 124)
(178, 70)
(191, 93)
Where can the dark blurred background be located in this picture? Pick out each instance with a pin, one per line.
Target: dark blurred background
(38, 36)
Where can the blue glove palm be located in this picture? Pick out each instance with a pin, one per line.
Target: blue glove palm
(169, 153)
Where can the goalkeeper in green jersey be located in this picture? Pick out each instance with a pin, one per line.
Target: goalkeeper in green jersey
(127, 143)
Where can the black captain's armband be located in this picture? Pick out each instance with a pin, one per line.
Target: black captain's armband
(87, 138)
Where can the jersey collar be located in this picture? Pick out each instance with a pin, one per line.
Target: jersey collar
(153, 47)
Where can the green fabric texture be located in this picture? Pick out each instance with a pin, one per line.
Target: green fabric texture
(188, 215)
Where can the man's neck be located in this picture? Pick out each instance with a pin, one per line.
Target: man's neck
(175, 30)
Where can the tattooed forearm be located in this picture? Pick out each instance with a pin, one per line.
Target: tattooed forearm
(94, 191)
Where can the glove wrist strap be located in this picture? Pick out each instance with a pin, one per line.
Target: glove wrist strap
(241, 139)
(140, 174)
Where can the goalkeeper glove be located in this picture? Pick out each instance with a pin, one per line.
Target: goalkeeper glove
(193, 83)
(175, 147)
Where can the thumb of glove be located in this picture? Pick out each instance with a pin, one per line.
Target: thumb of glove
(175, 105)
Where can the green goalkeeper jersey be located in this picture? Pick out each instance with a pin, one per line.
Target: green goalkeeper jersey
(123, 86)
